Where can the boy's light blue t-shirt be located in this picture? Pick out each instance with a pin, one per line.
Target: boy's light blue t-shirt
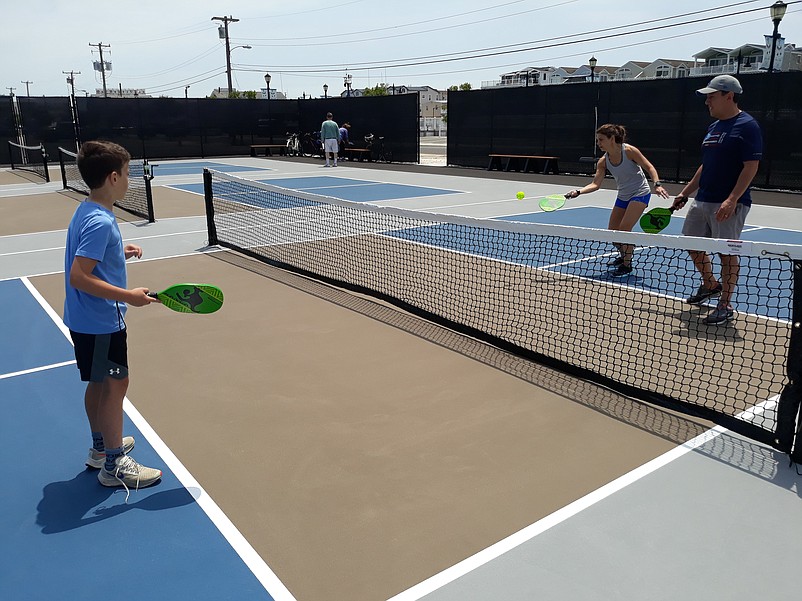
(93, 233)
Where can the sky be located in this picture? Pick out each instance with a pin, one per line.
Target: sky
(164, 46)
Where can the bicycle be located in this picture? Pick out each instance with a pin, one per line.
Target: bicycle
(293, 145)
(379, 152)
(311, 145)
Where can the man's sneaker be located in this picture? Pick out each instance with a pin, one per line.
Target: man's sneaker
(722, 314)
(129, 474)
(96, 459)
(616, 262)
(703, 293)
(621, 271)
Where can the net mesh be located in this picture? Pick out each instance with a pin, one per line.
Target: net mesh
(545, 292)
(29, 158)
(139, 197)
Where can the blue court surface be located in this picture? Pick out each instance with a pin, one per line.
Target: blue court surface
(197, 167)
(70, 537)
(355, 190)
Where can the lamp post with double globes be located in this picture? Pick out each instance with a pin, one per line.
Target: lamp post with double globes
(267, 95)
(777, 14)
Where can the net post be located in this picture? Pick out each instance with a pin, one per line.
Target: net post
(208, 197)
(789, 412)
(44, 163)
(148, 192)
(63, 168)
(11, 154)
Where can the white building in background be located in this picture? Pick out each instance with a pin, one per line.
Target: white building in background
(712, 61)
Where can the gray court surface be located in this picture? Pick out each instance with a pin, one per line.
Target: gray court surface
(718, 517)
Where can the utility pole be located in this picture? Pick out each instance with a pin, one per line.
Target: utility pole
(100, 47)
(224, 34)
(71, 79)
(11, 91)
(27, 87)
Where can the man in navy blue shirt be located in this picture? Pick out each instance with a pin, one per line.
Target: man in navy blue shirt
(731, 153)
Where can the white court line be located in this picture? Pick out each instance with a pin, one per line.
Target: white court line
(36, 369)
(274, 587)
(206, 251)
(39, 250)
(526, 534)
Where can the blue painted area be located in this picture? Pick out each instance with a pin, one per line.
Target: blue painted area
(64, 535)
(777, 236)
(59, 519)
(584, 217)
(335, 187)
(670, 273)
(30, 339)
(377, 192)
(322, 181)
(160, 169)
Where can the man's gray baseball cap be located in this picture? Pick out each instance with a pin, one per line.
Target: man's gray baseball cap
(722, 83)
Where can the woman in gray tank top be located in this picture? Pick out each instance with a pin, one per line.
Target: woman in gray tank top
(626, 164)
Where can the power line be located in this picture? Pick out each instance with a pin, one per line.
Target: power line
(485, 53)
(452, 16)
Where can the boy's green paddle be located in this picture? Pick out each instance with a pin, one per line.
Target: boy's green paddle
(190, 298)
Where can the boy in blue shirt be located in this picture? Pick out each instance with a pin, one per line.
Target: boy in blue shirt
(94, 311)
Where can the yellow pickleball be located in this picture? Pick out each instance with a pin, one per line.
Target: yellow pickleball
(520, 195)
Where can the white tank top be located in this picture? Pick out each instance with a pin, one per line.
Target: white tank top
(628, 176)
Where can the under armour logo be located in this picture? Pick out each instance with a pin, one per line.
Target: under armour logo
(113, 372)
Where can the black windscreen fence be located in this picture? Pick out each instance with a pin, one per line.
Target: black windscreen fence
(7, 130)
(664, 117)
(157, 128)
(47, 121)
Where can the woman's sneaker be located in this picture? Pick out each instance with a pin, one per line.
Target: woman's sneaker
(96, 459)
(129, 474)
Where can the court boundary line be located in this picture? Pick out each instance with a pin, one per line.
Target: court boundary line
(528, 533)
(206, 251)
(239, 544)
(34, 370)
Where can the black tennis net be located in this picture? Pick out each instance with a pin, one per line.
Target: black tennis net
(29, 158)
(138, 200)
(545, 292)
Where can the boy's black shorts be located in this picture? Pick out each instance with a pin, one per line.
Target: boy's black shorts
(101, 355)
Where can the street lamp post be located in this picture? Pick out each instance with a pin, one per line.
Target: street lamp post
(267, 95)
(592, 63)
(186, 91)
(777, 14)
(325, 90)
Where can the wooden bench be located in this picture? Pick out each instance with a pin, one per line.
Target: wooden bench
(268, 148)
(358, 154)
(524, 162)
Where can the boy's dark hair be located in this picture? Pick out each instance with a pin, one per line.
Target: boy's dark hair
(97, 159)
(615, 131)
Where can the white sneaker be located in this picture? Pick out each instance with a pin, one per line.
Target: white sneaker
(128, 473)
(96, 459)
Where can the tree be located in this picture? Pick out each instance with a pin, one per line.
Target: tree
(463, 87)
(379, 90)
